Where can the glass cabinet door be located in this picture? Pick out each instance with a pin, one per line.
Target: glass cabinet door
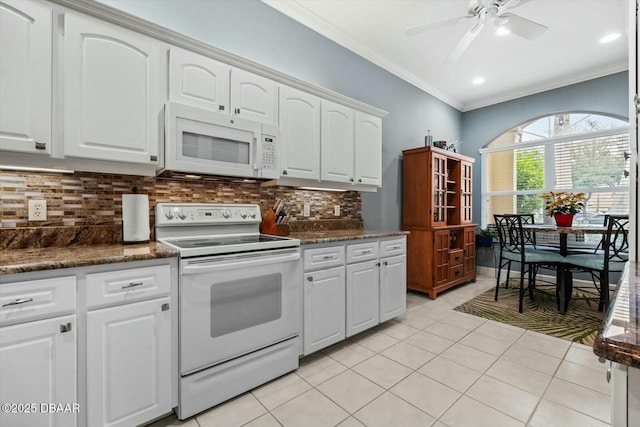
(439, 194)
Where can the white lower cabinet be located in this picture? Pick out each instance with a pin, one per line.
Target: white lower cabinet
(324, 308)
(130, 353)
(363, 296)
(393, 287)
(37, 370)
(625, 395)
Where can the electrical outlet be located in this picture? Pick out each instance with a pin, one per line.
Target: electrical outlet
(37, 210)
(307, 210)
(336, 210)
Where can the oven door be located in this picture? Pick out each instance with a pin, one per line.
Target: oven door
(234, 304)
(201, 141)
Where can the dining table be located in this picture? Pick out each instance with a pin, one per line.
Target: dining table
(564, 276)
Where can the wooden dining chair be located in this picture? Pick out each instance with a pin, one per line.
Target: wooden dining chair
(515, 246)
(611, 258)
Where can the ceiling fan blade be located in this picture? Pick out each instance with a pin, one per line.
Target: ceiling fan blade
(464, 43)
(523, 27)
(435, 25)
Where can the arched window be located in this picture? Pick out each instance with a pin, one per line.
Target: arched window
(573, 152)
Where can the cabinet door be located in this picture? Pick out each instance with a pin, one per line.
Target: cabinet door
(254, 97)
(439, 180)
(393, 287)
(368, 149)
(111, 92)
(337, 143)
(299, 134)
(25, 78)
(363, 296)
(466, 193)
(38, 365)
(441, 257)
(199, 81)
(469, 251)
(324, 308)
(128, 363)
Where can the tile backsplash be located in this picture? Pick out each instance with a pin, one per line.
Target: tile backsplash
(82, 198)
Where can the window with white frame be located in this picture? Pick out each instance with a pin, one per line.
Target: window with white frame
(572, 152)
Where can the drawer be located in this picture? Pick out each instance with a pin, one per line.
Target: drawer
(121, 286)
(37, 299)
(362, 252)
(393, 247)
(456, 272)
(456, 257)
(330, 256)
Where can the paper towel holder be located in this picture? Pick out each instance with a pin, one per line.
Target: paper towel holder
(135, 218)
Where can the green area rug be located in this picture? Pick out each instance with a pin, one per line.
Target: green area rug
(579, 324)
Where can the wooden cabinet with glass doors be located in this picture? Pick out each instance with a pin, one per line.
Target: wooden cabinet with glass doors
(437, 210)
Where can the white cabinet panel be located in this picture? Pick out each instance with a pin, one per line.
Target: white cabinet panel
(111, 92)
(368, 149)
(254, 97)
(25, 76)
(299, 134)
(324, 308)
(199, 81)
(363, 293)
(38, 365)
(337, 142)
(393, 287)
(128, 363)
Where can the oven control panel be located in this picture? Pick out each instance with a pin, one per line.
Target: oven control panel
(193, 213)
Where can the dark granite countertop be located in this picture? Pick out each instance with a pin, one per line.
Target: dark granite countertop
(619, 336)
(313, 237)
(35, 259)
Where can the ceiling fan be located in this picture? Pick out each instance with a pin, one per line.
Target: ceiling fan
(481, 11)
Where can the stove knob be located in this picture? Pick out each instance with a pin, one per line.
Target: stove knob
(168, 214)
(253, 214)
(243, 214)
(226, 213)
(182, 215)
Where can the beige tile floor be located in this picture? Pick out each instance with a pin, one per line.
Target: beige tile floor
(432, 367)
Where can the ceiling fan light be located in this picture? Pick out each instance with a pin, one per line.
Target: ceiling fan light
(502, 31)
(609, 38)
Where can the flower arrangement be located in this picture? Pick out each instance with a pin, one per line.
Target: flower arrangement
(563, 203)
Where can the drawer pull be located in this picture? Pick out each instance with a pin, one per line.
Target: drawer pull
(18, 302)
(395, 247)
(385, 263)
(65, 328)
(132, 285)
(367, 252)
(327, 257)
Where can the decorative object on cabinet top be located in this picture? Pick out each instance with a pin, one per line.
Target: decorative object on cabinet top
(36, 259)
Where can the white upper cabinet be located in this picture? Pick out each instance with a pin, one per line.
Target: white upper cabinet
(198, 81)
(299, 134)
(337, 142)
(254, 97)
(25, 76)
(111, 92)
(368, 149)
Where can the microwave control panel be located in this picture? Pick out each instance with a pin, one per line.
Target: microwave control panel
(269, 154)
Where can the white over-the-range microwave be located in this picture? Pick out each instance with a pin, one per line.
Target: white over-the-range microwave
(199, 141)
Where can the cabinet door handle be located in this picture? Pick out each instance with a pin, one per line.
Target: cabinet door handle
(310, 278)
(351, 179)
(609, 374)
(284, 172)
(385, 263)
(221, 107)
(377, 264)
(165, 306)
(359, 179)
(65, 328)
(132, 285)
(153, 158)
(41, 145)
(18, 302)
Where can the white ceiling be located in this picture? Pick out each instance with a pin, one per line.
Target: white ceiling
(568, 52)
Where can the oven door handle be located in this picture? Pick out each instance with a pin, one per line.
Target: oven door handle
(246, 261)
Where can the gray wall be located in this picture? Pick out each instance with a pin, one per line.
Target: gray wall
(608, 95)
(257, 32)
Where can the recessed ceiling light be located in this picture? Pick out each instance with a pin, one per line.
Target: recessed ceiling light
(502, 31)
(610, 37)
(478, 80)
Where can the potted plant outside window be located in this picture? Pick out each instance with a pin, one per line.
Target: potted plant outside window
(563, 206)
(485, 236)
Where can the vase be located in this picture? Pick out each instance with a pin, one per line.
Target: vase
(563, 220)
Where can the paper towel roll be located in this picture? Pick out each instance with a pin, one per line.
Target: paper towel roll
(135, 218)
